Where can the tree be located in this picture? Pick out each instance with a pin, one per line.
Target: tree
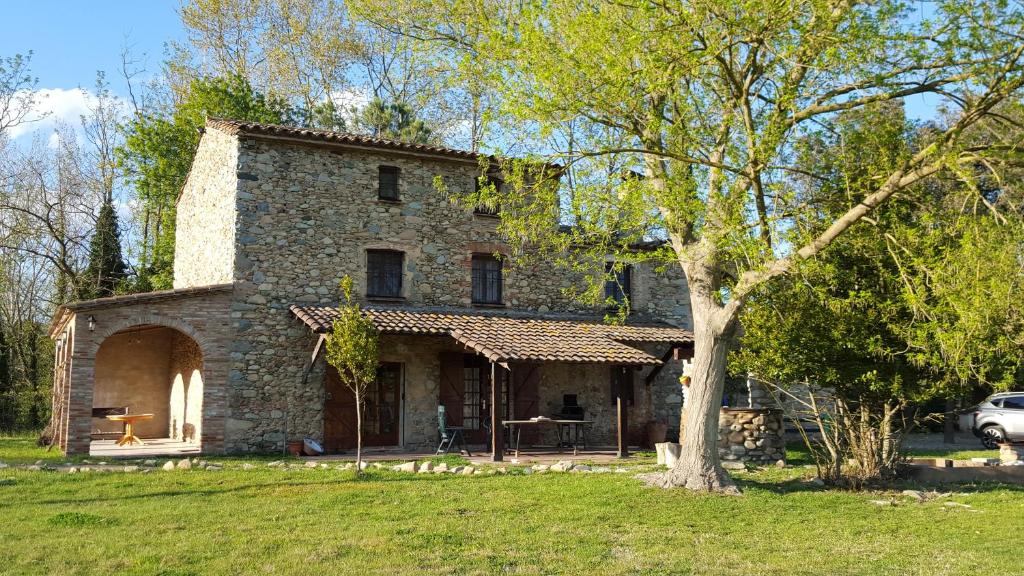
(395, 121)
(706, 100)
(106, 269)
(352, 350)
(157, 154)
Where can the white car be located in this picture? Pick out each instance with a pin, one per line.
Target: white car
(998, 419)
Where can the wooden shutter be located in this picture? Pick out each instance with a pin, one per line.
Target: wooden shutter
(452, 388)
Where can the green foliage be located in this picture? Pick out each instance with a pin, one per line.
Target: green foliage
(158, 152)
(396, 121)
(352, 344)
(106, 268)
(352, 348)
(26, 376)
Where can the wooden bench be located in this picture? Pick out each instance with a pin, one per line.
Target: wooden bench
(102, 413)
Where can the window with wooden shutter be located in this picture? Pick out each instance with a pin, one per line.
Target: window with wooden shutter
(384, 273)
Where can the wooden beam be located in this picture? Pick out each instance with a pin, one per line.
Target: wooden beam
(622, 413)
(668, 355)
(497, 432)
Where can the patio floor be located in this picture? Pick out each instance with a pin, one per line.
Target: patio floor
(152, 447)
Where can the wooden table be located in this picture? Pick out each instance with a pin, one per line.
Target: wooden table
(576, 425)
(129, 420)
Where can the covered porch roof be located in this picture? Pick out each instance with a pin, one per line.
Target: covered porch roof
(516, 338)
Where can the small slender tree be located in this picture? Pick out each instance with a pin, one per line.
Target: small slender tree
(352, 350)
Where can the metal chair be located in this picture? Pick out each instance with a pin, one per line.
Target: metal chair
(451, 436)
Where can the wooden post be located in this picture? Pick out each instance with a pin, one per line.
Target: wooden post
(621, 408)
(497, 432)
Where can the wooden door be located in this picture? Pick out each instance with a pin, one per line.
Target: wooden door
(382, 405)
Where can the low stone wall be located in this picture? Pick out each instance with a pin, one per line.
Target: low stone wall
(750, 435)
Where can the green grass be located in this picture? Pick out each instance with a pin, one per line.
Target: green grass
(315, 521)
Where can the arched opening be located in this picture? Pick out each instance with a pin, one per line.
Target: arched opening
(149, 370)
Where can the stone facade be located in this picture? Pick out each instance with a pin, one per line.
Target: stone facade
(283, 220)
(205, 232)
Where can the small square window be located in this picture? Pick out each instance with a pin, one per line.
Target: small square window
(480, 207)
(486, 279)
(387, 182)
(384, 273)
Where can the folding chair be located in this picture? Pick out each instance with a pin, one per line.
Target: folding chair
(451, 436)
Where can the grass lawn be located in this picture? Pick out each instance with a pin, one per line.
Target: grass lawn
(316, 521)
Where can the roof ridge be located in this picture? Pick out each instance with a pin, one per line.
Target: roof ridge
(234, 126)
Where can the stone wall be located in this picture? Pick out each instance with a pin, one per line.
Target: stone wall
(205, 232)
(306, 216)
(750, 435)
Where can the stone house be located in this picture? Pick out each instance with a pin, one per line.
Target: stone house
(268, 222)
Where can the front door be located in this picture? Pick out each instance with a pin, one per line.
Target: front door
(382, 404)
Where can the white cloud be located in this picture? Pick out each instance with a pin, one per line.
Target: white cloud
(53, 105)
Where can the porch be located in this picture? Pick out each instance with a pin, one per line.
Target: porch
(537, 455)
(485, 370)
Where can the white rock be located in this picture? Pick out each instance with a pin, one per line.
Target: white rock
(468, 470)
(733, 465)
(458, 469)
(406, 467)
(131, 468)
(213, 467)
(324, 465)
(274, 464)
(426, 467)
(72, 470)
(149, 463)
(915, 494)
(816, 482)
(3, 465)
(442, 467)
(562, 466)
(247, 466)
(311, 464)
(184, 464)
(363, 465)
(168, 465)
(883, 502)
(581, 468)
(527, 471)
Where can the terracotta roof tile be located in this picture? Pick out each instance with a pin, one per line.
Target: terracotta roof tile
(343, 138)
(501, 338)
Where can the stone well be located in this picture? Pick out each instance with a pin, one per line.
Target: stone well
(751, 435)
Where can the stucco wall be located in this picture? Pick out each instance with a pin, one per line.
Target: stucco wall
(205, 230)
(131, 370)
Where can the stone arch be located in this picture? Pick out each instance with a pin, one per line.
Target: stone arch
(153, 364)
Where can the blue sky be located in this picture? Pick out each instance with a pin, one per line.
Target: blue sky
(71, 41)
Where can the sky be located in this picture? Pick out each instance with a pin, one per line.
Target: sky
(72, 40)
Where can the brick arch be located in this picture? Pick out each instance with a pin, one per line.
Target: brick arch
(205, 345)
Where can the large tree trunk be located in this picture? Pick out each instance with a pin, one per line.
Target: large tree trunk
(698, 467)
